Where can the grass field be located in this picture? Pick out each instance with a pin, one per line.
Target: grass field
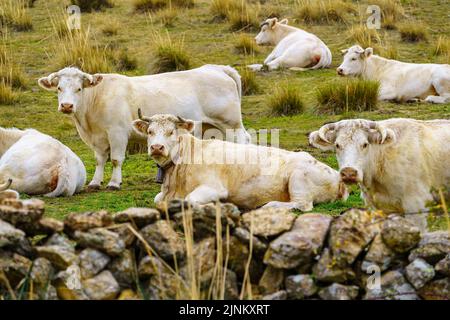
(205, 41)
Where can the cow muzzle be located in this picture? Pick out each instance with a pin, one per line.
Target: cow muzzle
(157, 150)
(340, 71)
(349, 175)
(66, 108)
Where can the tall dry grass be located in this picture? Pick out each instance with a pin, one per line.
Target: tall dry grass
(14, 14)
(324, 11)
(153, 5)
(245, 44)
(413, 31)
(286, 100)
(365, 37)
(168, 55)
(93, 5)
(442, 46)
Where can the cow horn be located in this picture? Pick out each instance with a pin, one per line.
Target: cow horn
(373, 125)
(141, 117)
(180, 119)
(6, 185)
(324, 129)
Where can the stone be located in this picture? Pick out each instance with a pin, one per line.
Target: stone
(138, 216)
(419, 272)
(204, 219)
(279, 295)
(231, 291)
(15, 266)
(62, 241)
(238, 257)
(45, 226)
(164, 240)
(123, 269)
(268, 222)
(393, 286)
(101, 239)
(88, 220)
(129, 294)
(68, 284)
(350, 233)
(101, 287)
(167, 285)
(22, 213)
(9, 235)
(327, 270)
(300, 286)
(378, 254)
(443, 266)
(92, 261)
(400, 234)
(47, 293)
(151, 266)
(173, 206)
(436, 290)
(244, 236)
(42, 272)
(271, 280)
(300, 245)
(433, 246)
(125, 233)
(59, 256)
(338, 291)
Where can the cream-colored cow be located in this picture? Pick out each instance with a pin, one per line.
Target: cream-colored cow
(399, 81)
(295, 48)
(250, 176)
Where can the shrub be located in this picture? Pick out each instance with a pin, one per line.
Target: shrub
(93, 5)
(7, 95)
(320, 11)
(246, 45)
(169, 56)
(413, 32)
(389, 22)
(13, 13)
(349, 95)
(250, 85)
(363, 36)
(286, 101)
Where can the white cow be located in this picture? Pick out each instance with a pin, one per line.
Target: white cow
(295, 48)
(104, 105)
(399, 81)
(36, 164)
(250, 176)
(396, 162)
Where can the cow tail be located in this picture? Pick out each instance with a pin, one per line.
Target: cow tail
(62, 187)
(5, 185)
(233, 74)
(325, 59)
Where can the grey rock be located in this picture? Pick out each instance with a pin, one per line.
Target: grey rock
(123, 269)
(15, 266)
(300, 245)
(22, 213)
(68, 284)
(101, 239)
(271, 280)
(327, 270)
(244, 236)
(419, 272)
(238, 257)
(268, 222)
(164, 240)
(400, 234)
(45, 226)
(58, 239)
(338, 291)
(92, 262)
(101, 287)
(151, 266)
(443, 266)
(433, 247)
(231, 291)
(300, 286)
(173, 206)
(279, 295)
(378, 254)
(436, 290)
(125, 233)
(87, 220)
(42, 272)
(138, 216)
(59, 256)
(9, 235)
(393, 286)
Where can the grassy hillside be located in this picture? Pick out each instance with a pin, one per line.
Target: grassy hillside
(206, 40)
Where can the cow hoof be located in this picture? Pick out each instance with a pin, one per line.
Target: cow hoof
(93, 187)
(112, 188)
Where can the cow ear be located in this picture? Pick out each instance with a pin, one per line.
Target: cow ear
(48, 84)
(316, 141)
(273, 23)
(92, 81)
(284, 21)
(375, 137)
(140, 126)
(187, 125)
(368, 52)
(344, 51)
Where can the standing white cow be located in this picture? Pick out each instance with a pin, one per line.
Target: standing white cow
(34, 163)
(399, 81)
(250, 176)
(104, 105)
(294, 48)
(396, 162)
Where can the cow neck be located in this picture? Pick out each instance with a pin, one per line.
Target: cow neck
(284, 31)
(162, 170)
(81, 115)
(8, 137)
(375, 65)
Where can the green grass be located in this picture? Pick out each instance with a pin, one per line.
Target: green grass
(206, 42)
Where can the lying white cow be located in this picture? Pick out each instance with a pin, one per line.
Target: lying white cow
(250, 176)
(36, 164)
(104, 105)
(399, 81)
(295, 48)
(396, 162)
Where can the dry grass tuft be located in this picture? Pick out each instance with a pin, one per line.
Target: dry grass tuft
(250, 84)
(413, 32)
(93, 5)
(246, 45)
(324, 11)
(390, 9)
(442, 46)
(168, 16)
(349, 95)
(169, 55)
(220, 9)
(10, 73)
(110, 27)
(286, 101)
(363, 36)
(14, 14)
(153, 5)
(7, 95)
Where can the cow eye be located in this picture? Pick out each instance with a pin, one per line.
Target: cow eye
(170, 132)
(354, 59)
(79, 89)
(365, 145)
(150, 132)
(59, 88)
(338, 146)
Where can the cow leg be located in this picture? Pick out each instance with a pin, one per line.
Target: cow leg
(100, 157)
(441, 84)
(387, 94)
(206, 194)
(118, 143)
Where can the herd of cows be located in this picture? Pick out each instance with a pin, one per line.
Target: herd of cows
(396, 162)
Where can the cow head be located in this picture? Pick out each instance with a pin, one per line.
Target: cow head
(69, 83)
(162, 133)
(354, 142)
(355, 59)
(268, 34)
